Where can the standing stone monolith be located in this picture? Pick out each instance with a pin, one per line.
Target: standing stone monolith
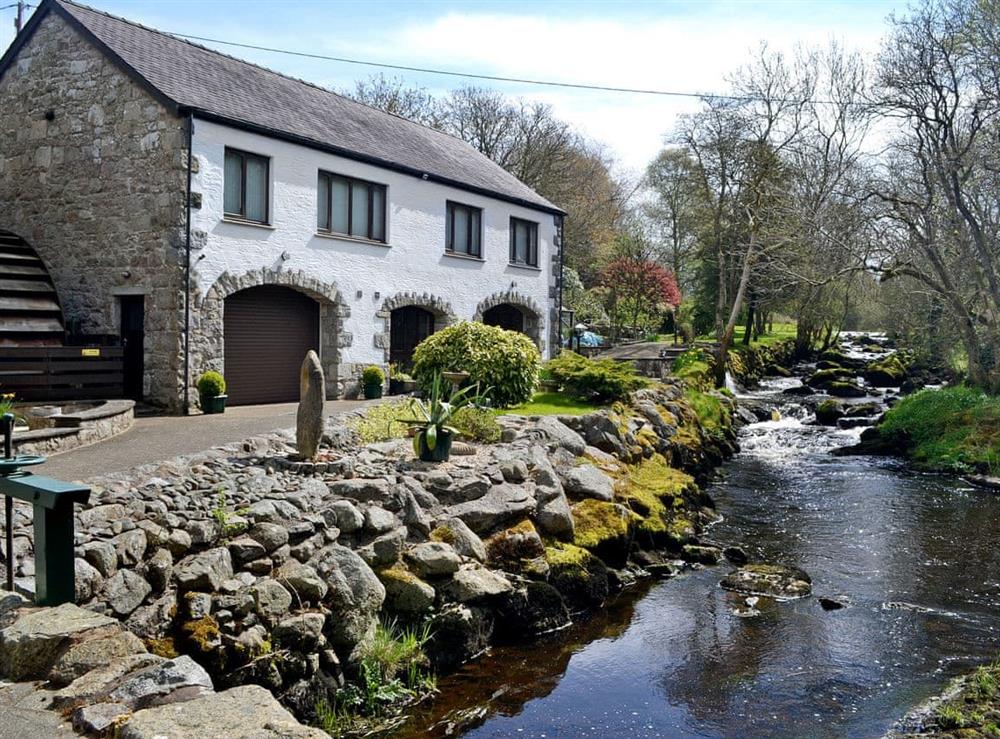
(309, 419)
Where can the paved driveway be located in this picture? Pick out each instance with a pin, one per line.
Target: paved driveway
(157, 438)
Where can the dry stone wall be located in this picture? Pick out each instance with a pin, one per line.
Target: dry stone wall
(93, 175)
(262, 574)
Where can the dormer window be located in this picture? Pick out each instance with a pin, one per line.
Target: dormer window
(247, 186)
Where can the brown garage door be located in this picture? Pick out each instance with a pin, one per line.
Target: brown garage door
(268, 331)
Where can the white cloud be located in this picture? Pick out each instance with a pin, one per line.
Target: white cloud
(692, 53)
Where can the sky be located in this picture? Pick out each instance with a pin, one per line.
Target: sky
(664, 45)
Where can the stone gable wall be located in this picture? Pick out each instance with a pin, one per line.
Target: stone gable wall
(98, 191)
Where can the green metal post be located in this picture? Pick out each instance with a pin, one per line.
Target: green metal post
(55, 573)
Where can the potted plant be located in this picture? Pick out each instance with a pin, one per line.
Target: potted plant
(212, 392)
(372, 379)
(400, 382)
(433, 436)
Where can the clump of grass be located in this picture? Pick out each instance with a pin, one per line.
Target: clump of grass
(954, 429)
(713, 413)
(393, 671)
(478, 424)
(380, 422)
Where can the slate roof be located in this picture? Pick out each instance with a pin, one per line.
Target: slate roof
(212, 85)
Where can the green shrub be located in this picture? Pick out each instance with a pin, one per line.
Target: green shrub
(372, 375)
(695, 366)
(478, 424)
(594, 379)
(211, 384)
(504, 363)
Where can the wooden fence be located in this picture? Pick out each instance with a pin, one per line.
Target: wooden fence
(61, 373)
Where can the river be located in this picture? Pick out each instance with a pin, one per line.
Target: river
(913, 556)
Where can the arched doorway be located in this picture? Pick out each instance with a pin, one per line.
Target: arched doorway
(408, 326)
(268, 330)
(506, 316)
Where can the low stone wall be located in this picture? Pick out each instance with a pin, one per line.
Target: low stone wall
(63, 432)
(264, 575)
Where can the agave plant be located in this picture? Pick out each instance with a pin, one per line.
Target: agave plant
(431, 414)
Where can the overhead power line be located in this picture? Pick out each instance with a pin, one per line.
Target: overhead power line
(489, 77)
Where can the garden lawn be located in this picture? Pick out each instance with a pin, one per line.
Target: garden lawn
(780, 332)
(552, 404)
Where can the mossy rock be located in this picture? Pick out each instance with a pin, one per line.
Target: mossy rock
(603, 528)
(511, 548)
(405, 593)
(579, 576)
(775, 581)
(826, 364)
(776, 370)
(845, 389)
(829, 412)
(888, 372)
(825, 378)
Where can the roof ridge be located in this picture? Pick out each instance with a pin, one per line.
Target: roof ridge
(299, 80)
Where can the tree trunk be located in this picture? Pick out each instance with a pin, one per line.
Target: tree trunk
(734, 314)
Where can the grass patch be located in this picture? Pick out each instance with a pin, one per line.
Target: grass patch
(955, 429)
(393, 672)
(654, 491)
(779, 332)
(598, 522)
(381, 422)
(552, 404)
(973, 712)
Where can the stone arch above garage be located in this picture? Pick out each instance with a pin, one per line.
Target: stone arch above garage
(332, 314)
(440, 309)
(528, 308)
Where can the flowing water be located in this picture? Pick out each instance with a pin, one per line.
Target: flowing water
(913, 556)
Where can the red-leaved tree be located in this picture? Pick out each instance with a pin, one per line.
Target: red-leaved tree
(639, 292)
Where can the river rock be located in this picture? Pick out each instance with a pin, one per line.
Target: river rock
(776, 581)
(586, 481)
(87, 655)
(33, 643)
(433, 558)
(384, 550)
(559, 434)
(246, 549)
(553, 515)
(159, 569)
(309, 419)
(458, 633)
(345, 516)
(473, 583)
(454, 531)
(302, 632)
(247, 712)
(363, 490)
(405, 592)
(150, 686)
(355, 594)
(102, 555)
(269, 535)
(205, 571)
(379, 520)
(96, 684)
(503, 504)
(99, 718)
(534, 608)
(302, 580)
(271, 600)
(88, 580)
(125, 591)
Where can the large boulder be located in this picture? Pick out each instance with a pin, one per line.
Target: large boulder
(406, 593)
(32, 644)
(205, 571)
(355, 594)
(586, 481)
(503, 504)
(246, 712)
(433, 558)
(559, 435)
(156, 684)
(309, 419)
(125, 591)
(456, 532)
(89, 654)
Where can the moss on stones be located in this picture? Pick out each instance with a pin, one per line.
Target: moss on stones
(166, 647)
(512, 548)
(579, 576)
(599, 523)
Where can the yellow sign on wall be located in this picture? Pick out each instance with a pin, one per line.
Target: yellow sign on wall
(90, 352)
